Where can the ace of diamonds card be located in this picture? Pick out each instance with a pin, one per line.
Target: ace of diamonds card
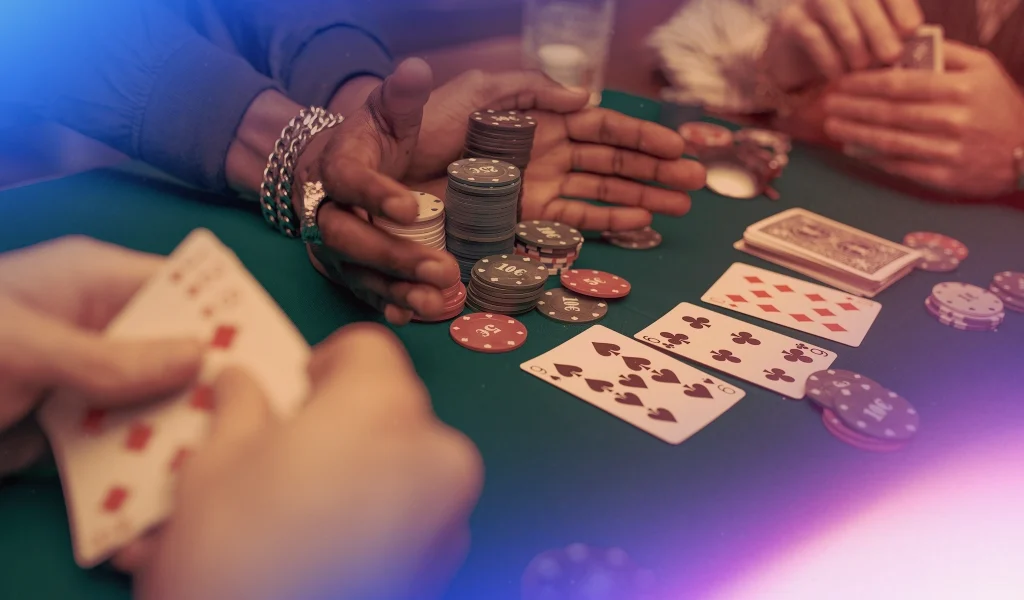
(636, 383)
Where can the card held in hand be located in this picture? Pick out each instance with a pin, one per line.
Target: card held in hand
(924, 50)
(636, 383)
(118, 467)
(755, 354)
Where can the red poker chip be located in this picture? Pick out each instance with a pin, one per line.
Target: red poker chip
(490, 333)
(835, 426)
(923, 239)
(597, 284)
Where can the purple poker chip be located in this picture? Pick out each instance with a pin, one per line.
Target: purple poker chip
(824, 387)
(873, 410)
(584, 571)
(1010, 283)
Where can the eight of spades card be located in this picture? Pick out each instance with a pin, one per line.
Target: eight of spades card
(652, 391)
(752, 353)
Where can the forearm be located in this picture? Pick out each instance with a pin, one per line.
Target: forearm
(263, 123)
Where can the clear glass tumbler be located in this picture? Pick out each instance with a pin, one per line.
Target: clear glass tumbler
(568, 40)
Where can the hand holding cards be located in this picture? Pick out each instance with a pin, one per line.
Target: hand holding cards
(118, 467)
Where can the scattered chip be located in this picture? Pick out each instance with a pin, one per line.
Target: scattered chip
(1008, 286)
(595, 283)
(584, 571)
(488, 333)
(548, 235)
(877, 412)
(922, 239)
(824, 386)
(836, 427)
(638, 239)
(562, 305)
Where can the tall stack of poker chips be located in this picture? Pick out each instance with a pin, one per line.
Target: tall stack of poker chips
(428, 229)
(966, 307)
(481, 204)
(501, 135)
(1008, 286)
(506, 284)
(554, 245)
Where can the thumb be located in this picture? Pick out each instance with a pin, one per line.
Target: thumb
(399, 101)
(526, 90)
(960, 57)
(115, 372)
(242, 411)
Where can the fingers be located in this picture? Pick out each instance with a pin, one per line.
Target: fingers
(108, 372)
(397, 299)
(135, 556)
(930, 174)
(893, 142)
(61, 276)
(906, 85)
(922, 117)
(242, 411)
(626, 193)
(591, 217)
(813, 38)
(905, 15)
(363, 244)
(347, 183)
(525, 90)
(366, 358)
(883, 38)
(608, 160)
(839, 19)
(607, 127)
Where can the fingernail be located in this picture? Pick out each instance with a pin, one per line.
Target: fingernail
(576, 89)
(430, 271)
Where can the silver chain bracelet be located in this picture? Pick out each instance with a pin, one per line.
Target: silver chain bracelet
(276, 190)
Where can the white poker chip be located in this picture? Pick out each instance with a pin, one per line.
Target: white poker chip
(967, 300)
(429, 206)
(732, 181)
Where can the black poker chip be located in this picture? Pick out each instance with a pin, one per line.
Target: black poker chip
(504, 119)
(548, 234)
(568, 307)
(508, 271)
(480, 172)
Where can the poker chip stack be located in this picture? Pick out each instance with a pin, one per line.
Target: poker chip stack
(506, 284)
(429, 229)
(1008, 286)
(554, 245)
(706, 141)
(481, 205)
(501, 135)
(863, 412)
(966, 307)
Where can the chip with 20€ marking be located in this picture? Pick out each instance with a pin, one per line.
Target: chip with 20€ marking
(562, 305)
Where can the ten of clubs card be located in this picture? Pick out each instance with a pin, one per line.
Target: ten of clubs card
(636, 383)
(752, 353)
(794, 303)
(118, 467)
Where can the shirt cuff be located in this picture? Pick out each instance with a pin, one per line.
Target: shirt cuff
(331, 58)
(194, 108)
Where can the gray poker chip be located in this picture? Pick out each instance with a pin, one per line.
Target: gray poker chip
(639, 239)
(504, 119)
(508, 271)
(548, 234)
(483, 172)
(562, 305)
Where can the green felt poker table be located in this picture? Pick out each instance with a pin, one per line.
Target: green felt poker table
(759, 479)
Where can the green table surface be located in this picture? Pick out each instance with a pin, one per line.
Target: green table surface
(762, 477)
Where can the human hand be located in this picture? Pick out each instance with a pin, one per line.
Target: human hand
(363, 495)
(954, 131)
(55, 298)
(815, 40)
(577, 152)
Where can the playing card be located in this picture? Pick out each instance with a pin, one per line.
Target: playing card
(636, 383)
(752, 353)
(797, 304)
(118, 467)
(803, 234)
(924, 50)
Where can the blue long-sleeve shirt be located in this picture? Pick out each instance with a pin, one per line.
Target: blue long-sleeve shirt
(168, 81)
